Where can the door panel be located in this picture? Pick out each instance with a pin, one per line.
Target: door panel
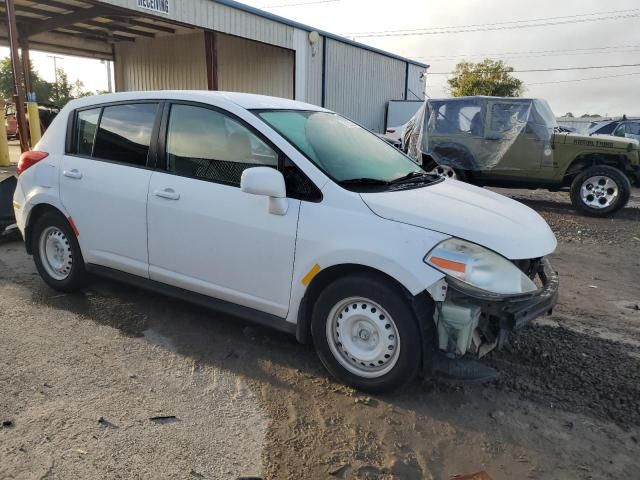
(205, 234)
(219, 241)
(104, 184)
(517, 148)
(108, 206)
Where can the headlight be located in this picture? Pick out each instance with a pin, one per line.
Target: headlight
(479, 267)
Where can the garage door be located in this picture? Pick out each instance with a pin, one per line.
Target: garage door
(254, 67)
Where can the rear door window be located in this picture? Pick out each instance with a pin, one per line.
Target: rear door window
(86, 123)
(124, 134)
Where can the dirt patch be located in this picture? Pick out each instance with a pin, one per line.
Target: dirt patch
(574, 372)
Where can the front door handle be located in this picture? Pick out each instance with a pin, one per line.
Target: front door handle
(73, 173)
(168, 193)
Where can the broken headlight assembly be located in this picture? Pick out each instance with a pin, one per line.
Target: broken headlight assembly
(478, 267)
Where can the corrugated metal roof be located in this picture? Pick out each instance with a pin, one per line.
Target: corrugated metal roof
(302, 26)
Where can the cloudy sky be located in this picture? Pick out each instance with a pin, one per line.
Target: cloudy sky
(572, 33)
(576, 40)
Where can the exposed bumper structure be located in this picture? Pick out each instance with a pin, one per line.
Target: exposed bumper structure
(473, 321)
(518, 310)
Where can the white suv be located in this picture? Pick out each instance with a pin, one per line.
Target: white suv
(288, 215)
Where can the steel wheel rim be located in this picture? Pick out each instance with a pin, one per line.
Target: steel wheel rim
(55, 252)
(363, 337)
(599, 191)
(444, 171)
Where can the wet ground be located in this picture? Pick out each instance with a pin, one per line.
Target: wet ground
(83, 378)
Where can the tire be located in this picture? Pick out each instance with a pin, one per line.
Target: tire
(63, 270)
(442, 170)
(600, 190)
(382, 311)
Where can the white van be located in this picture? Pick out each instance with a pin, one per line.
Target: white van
(288, 215)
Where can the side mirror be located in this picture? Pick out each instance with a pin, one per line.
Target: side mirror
(267, 182)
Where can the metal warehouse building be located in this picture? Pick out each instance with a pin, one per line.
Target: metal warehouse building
(220, 45)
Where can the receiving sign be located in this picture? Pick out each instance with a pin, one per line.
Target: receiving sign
(159, 6)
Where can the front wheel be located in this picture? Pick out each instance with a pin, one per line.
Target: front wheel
(366, 334)
(600, 190)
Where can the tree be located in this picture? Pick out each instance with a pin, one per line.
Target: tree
(58, 93)
(42, 88)
(569, 115)
(489, 77)
(64, 90)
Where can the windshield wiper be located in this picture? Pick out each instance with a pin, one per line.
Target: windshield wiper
(413, 176)
(363, 181)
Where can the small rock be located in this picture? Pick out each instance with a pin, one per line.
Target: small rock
(497, 415)
(7, 423)
(364, 401)
(133, 375)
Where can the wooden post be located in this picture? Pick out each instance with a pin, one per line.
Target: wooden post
(211, 52)
(26, 69)
(18, 75)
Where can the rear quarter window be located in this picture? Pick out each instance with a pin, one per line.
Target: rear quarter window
(85, 131)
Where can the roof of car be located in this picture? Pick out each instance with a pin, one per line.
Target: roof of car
(484, 97)
(249, 101)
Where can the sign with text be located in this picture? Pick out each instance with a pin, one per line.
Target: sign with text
(158, 6)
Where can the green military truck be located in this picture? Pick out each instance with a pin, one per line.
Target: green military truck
(516, 143)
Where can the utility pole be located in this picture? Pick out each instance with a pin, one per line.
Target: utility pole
(55, 74)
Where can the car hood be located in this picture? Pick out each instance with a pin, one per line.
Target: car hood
(471, 213)
(599, 140)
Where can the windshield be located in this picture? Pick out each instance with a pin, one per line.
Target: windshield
(340, 148)
(543, 109)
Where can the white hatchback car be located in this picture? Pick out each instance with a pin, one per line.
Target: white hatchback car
(288, 215)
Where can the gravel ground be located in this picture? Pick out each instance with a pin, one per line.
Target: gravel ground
(82, 375)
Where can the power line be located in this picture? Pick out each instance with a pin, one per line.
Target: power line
(563, 81)
(299, 4)
(550, 69)
(585, 79)
(510, 25)
(538, 53)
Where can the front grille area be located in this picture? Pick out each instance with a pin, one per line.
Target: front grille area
(529, 266)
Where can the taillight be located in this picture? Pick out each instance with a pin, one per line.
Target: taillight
(30, 158)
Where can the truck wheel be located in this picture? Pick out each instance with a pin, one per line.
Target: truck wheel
(57, 254)
(600, 190)
(366, 334)
(441, 170)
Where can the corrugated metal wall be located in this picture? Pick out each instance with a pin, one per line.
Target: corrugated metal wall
(252, 67)
(214, 16)
(415, 83)
(171, 62)
(359, 83)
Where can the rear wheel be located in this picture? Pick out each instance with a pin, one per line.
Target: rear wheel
(57, 254)
(366, 334)
(600, 190)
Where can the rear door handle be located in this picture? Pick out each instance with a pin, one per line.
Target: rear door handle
(168, 193)
(74, 173)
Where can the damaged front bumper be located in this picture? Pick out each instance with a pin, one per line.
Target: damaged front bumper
(474, 321)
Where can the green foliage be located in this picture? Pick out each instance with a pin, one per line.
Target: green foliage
(569, 115)
(57, 93)
(42, 88)
(489, 77)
